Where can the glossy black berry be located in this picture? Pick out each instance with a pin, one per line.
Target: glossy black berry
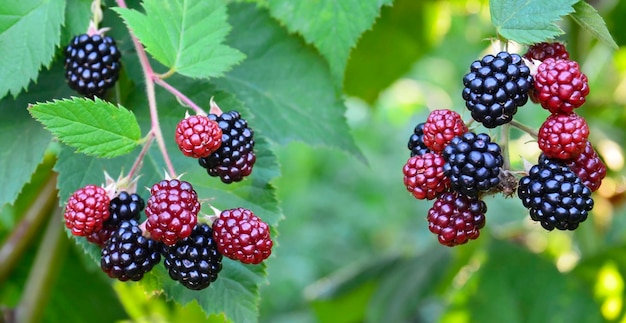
(472, 163)
(128, 255)
(495, 87)
(194, 261)
(92, 64)
(124, 207)
(234, 160)
(416, 141)
(555, 196)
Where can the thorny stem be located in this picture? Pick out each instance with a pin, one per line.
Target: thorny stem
(532, 132)
(179, 95)
(506, 160)
(154, 116)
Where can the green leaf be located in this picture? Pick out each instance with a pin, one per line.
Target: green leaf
(93, 127)
(286, 85)
(185, 35)
(75, 22)
(332, 26)
(588, 18)
(529, 21)
(29, 32)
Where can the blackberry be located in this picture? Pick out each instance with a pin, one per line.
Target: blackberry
(241, 235)
(86, 210)
(456, 218)
(560, 86)
(472, 163)
(194, 261)
(124, 207)
(416, 141)
(440, 127)
(128, 255)
(589, 168)
(563, 136)
(235, 158)
(92, 64)
(423, 176)
(555, 196)
(542, 51)
(495, 87)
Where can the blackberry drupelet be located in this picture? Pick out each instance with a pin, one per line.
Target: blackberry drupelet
(234, 160)
(92, 64)
(128, 255)
(456, 218)
(555, 196)
(416, 141)
(472, 163)
(495, 87)
(194, 261)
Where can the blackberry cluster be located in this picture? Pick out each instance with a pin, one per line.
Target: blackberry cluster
(194, 261)
(495, 87)
(128, 255)
(416, 141)
(234, 160)
(555, 196)
(472, 163)
(92, 64)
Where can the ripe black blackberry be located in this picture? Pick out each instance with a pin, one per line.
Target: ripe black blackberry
(235, 158)
(495, 87)
(416, 141)
(128, 255)
(194, 261)
(555, 196)
(472, 163)
(92, 64)
(124, 207)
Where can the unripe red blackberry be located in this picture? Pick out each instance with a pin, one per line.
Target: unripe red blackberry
(560, 86)
(172, 211)
(542, 51)
(92, 64)
(563, 136)
(424, 177)
(241, 235)
(440, 127)
(234, 160)
(86, 210)
(194, 261)
(589, 168)
(198, 136)
(495, 87)
(456, 218)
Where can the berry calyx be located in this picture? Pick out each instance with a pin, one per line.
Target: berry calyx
(241, 235)
(589, 168)
(424, 177)
(456, 218)
(198, 136)
(194, 261)
(542, 51)
(235, 157)
(128, 255)
(92, 64)
(495, 87)
(440, 127)
(560, 86)
(416, 141)
(172, 211)
(563, 136)
(86, 210)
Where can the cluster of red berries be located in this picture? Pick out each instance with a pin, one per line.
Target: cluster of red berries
(457, 167)
(192, 249)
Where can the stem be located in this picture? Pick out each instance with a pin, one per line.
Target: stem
(45, 269)
(505, 133)
(152, 104)
(179, 95)
(142, 153)
(23, 234)
(532, 132)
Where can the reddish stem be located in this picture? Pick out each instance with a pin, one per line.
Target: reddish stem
(179, 95)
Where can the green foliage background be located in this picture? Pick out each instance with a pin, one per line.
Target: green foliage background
(353, 245)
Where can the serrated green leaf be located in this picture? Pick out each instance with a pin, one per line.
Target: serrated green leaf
(588, 18)
(529, 21)
(29, 32)
(185, 35)
(332, 26)
(286, 85)
(93, 127)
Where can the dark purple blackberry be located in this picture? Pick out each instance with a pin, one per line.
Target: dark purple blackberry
(123, 208)
(555, 196)
(92, 64)
(194, 261)
(456, 218)
(235, 158)
(472, 163)
(128, 255)
(416, 142)
(495, 87)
